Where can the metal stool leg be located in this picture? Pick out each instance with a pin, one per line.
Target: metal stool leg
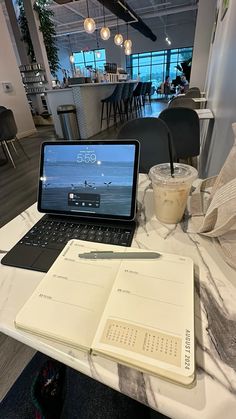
(9, 154)
(102, 115)
(22, 148)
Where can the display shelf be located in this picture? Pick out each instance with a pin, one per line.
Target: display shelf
(34, 80)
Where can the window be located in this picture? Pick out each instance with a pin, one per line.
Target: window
(154, 66)
(94, 58)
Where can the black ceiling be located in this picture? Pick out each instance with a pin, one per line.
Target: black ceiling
(122, 10)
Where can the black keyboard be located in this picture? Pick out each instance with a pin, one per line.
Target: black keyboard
(55, 234)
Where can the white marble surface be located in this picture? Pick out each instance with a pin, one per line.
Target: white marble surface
(213, 395)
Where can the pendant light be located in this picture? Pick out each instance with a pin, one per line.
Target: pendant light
(71, 57)
(118, 39)
(105, 31)
(89, 23)
(97, 53)
(128, 42)
(128, 51)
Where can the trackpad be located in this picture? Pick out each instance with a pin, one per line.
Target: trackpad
(45, 260)
(21, 256)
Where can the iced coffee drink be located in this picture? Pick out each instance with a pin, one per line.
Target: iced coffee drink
(171, 192)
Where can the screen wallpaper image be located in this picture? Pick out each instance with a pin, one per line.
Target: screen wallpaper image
(96, 179)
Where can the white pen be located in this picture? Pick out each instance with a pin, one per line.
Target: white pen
(119, 255)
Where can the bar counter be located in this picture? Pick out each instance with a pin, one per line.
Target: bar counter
(87, 99)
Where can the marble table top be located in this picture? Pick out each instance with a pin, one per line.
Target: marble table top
(213, 395)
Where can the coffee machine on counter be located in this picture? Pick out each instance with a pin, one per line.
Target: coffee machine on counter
(111, 72)
(122, 74)
(114, 74)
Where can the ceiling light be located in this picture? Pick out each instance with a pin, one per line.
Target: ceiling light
(98, 53)
(118, 39)
(72, 59)
(128, 51)
(105, 33)
(89, 23)
(128, 43)
(168, 40)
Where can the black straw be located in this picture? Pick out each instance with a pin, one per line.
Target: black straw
(172, 170)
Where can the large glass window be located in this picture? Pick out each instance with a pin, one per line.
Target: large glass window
(155, 66)
(93, 58)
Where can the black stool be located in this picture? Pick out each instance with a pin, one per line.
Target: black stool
(112, 101)
(137, 97)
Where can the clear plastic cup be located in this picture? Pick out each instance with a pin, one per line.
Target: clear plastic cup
(171, 193)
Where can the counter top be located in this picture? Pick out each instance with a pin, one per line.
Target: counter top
(89, 85)
(213, 395)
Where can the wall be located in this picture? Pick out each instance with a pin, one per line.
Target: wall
(202, 41)
(9, 72)
(221, 89)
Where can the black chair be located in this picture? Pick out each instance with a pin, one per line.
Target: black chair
(112, 101)
(2, 108)
(182, 102)
(195, 88)
(154, 137)
(183, 124)
(148, 91)
(8, 134)
(143, 93)
(193, 93)
(125, 100)
(130, 99)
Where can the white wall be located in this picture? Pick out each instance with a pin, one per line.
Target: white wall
(9, 72)
(221, 89)
(202, 40)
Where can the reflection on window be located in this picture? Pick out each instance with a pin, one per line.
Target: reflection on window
(155, 66)
(93, 58)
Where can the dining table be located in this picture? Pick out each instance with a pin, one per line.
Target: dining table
(213, 393)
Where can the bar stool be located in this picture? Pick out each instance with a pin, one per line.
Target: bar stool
(112, 101)
(137, 97)
(125, 100)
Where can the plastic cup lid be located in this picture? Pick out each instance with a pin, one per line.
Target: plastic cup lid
(182, 172)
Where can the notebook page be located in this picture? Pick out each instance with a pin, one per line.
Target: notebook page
(69, 301)
(149, 317)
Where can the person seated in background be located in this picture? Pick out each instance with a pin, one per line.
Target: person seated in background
(184, 84)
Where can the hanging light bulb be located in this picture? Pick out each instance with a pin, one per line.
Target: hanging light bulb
(89, 23)
(128, 51)
(105, 33)
(128, 42)
(118, 39)
(97, 53)
(72, 59)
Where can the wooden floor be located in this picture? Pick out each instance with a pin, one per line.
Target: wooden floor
(18, 190)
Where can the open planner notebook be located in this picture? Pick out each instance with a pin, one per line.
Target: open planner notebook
(137, 312)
